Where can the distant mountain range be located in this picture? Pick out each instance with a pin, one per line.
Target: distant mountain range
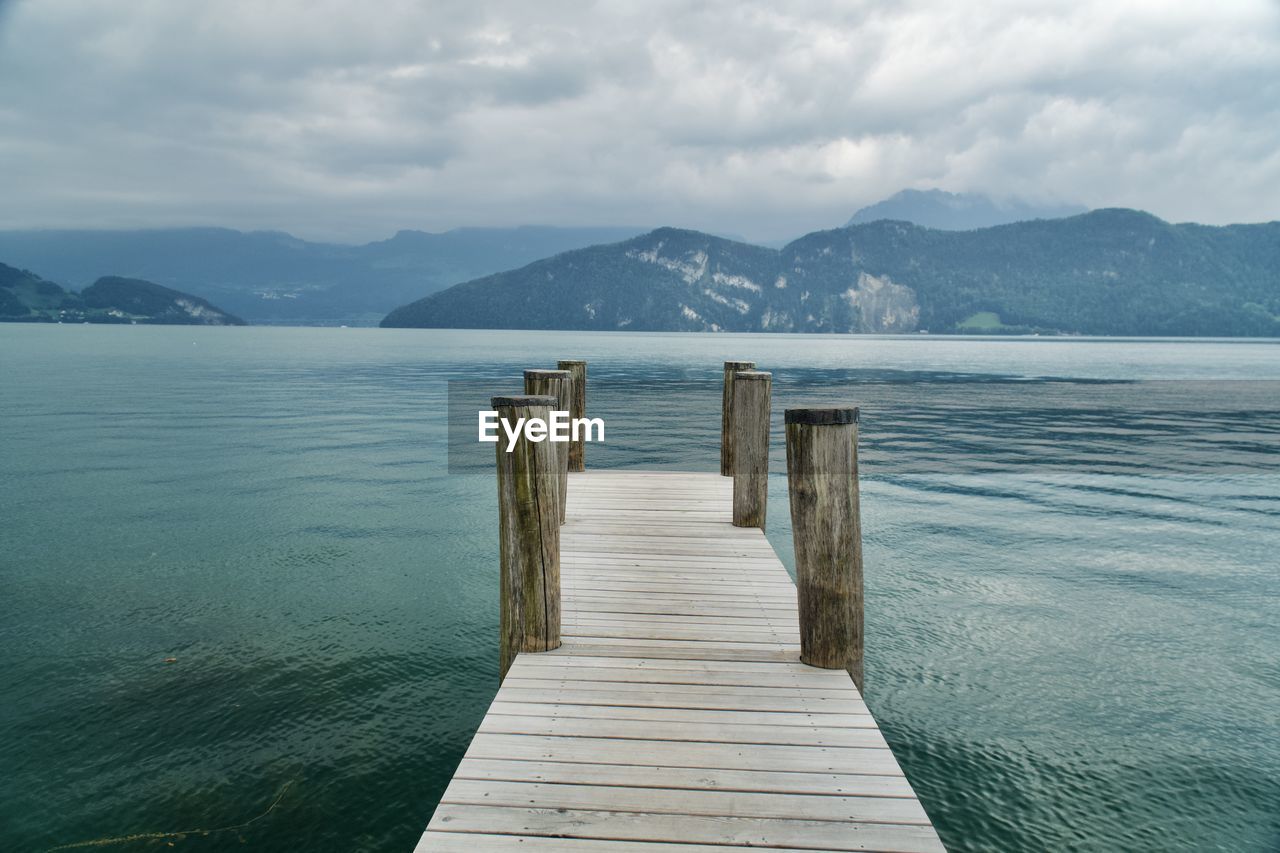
(1107, 272)
(1110, 272)
(26, 297)
(957, 211)
(272, 277)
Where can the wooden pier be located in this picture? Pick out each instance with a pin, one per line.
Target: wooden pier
(676, 714)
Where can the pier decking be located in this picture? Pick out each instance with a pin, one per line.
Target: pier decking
(676, 716)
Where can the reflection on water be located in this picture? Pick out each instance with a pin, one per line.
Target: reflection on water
(1070, 552)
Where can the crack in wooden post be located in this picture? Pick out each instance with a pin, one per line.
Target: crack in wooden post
(751, 412)
(529, 534)
(822, 481)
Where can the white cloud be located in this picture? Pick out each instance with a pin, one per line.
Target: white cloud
(336, 120)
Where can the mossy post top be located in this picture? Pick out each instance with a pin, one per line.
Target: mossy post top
(517, 401)
(821, 417)
(547, 374)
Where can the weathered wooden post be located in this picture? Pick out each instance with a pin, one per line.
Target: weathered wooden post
(529, 535)
(577, 409)
(822, 479)
(751, 411)
(559, 384)
(726, 415)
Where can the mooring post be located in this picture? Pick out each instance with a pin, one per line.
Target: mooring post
(726, 415)
(558, 384)
(577, 409)
(822, 479)
(529, 534)
(751, 411)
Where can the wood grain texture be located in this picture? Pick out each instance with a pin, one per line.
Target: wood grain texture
(726, 415)
(577, 409)
(529, 537)
(558, 384)
(677, 715)
(822, 481)
(752, 390)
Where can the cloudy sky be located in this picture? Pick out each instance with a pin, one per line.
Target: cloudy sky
(351, 120)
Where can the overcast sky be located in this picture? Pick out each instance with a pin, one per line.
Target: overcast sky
(352, 120)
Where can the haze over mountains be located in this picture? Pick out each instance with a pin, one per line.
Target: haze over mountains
(958, 211)
(940, 268)
(28, 298)
(1108, 272)
(272, 277)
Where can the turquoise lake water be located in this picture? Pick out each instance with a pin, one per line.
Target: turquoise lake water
(1073, 580)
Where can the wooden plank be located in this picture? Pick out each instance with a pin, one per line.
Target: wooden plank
(680, 778)
(564, 680)
(586, 669)
(481, 842)
(716, 591)
(686, 645)
(625, 626)
(634, 618)
(739, 831)
(782, 638)
(549, 659)
(669, 597)
(740, 572)
(726, 569)
(732, 716)
(640, 648)
(591, 577)
(727, 756)
(676, 616)
(600, 548)
(689, 524)
(691, 633)
(567, 681)
(684, 533)
(680, 531)
(701, 616)
(687, 802)
(748, 605)
(714, 594)
(610, 602)
(679, 582)
(741, 701)
(678, 573)
(643, 556)
(625, 729)
(710, 554)
(648, 620)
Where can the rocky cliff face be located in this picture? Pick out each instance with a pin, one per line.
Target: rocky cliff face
(882, 305)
